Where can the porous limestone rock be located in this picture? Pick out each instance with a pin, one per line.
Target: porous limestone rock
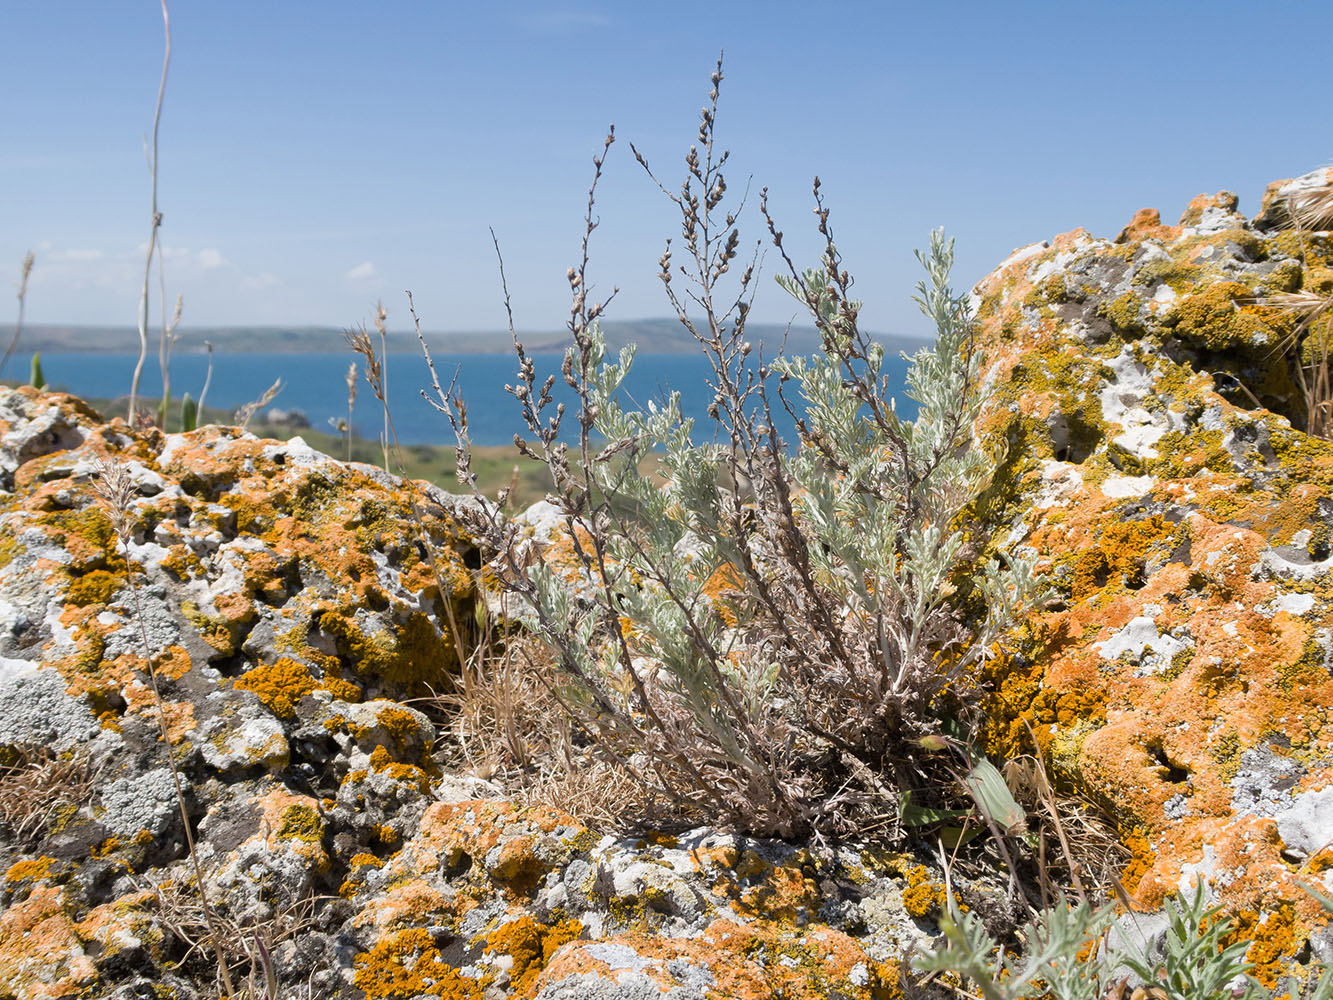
(293, 613)
(1148, 417)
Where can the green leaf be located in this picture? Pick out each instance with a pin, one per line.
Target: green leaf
(988, 790)
(915, 815)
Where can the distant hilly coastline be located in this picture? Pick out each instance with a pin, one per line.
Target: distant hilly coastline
(654, 336)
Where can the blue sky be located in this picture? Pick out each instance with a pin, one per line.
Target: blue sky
(318, 156)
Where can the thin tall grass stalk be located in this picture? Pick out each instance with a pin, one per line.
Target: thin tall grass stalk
(359, 340)
(380, 316)
(351, 402)
(115, 491)
(167, 343)
(25, 269)
(156, 222)
(208, 376)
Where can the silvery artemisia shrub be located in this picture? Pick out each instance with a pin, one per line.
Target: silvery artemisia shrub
(777, 653)
(780, 636)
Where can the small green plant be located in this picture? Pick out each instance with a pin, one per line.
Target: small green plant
(189, 413)
(1065, 958)
(35, 377)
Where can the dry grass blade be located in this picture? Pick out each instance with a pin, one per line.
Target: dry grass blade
(180, 913)
(1305, 307)
(508, 725)
(246, 412)
(1311, 210)
(39, 786)
(156, 220)
(25, 271)
(1312, 314)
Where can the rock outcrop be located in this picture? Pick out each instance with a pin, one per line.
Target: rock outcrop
(295, 616)
(1151, 417)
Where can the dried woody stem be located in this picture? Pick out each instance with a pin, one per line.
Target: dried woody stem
(156, 222)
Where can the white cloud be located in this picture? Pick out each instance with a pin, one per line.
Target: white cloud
(73, 284)
(365, 271)
(258, 282)
(74, 256)
(209, 259)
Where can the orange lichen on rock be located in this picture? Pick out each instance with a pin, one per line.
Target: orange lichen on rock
(41, 955)
(754, 961)
(283, 683)
(1183, 527)
(529, 945)
(1147, 225)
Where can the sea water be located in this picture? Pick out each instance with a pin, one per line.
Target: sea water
(316, 384)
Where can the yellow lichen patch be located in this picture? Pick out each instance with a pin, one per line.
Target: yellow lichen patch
(293, 823)
(95, 587)
(402, 726)
(1141, 858)
(406, 964)
(1272, 932)
(784, 892)
(279, 685)
(1120, 553)
(416, 654)
(382, 763)
(181, 562)
(923, 897)
(31, 870)
(530, 944)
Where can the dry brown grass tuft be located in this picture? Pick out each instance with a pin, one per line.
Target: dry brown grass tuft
(508, 725)
(247, 944)
(1308, 345)
(1311, 210)
(1078, 850)
(41, 786)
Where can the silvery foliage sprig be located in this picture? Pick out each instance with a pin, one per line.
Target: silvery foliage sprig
(1188, 962)
(651, 565)
(890, 524)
